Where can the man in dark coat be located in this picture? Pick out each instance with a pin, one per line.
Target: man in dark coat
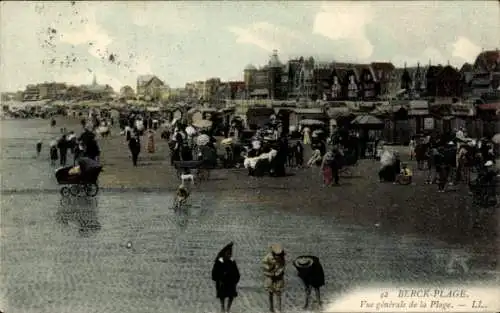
(310, 271)
(226, 276)
(135, 148)
(62, 145)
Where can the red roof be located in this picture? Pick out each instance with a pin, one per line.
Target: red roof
(487, 60)
(489, 106)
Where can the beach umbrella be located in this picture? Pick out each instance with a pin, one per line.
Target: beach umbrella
(190, 130)
(496, 139)
(227, 141)
(202, 140)
(317, 132)
(202, 124)
(387, 158)
(311, 122)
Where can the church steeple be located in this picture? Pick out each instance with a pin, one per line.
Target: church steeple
(94, 81)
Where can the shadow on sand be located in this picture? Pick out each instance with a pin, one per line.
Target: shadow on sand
(80, 211)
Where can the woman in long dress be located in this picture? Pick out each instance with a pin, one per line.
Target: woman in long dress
(307, 136)
(151, 141)
(326, 168)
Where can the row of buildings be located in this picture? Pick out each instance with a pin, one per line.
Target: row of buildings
(303, 79)
(63, 91)
(333, 81)
(309, 80)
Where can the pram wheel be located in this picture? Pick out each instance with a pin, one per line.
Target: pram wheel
(65, 192)
(75, 190)
(91, 190)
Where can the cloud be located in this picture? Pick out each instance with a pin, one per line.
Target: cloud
(143, 67)
(266, 36)
(166, 16)
(465, 49)
(183, 41)
(90, 34)
(345, 21)
(340, 20)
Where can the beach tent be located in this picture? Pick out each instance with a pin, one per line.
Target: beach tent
(368, 121)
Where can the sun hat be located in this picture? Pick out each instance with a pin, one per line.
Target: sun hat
(277, 249)
(303, 262)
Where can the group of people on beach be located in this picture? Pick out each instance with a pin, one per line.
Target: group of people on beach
(134, 128)
(226, 276)
(84, 145)
(451, 160)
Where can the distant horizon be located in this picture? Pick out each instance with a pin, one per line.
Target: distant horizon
(181, 42)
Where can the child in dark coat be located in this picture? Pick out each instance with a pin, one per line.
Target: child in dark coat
(226, 276)
(312, 275)
(54, 156)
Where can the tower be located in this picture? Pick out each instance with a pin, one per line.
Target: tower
(274, 75)
(249, 77)
(94, 80)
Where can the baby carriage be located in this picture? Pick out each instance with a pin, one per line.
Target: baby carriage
(79, 180)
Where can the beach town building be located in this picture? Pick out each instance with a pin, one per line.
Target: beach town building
(268, 82)
(149, 87)
(486, 73)
(127, 93)
(96, 91)
(45, 91)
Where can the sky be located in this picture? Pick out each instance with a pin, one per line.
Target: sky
(188, 41)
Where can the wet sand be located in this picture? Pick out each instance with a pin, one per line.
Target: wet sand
(359, 200)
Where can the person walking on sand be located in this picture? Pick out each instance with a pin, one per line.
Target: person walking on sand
(53, 153)
(226, 276)
(62, 145)
(38, 148)
(135, 148)
(150, 147)
(274, 275)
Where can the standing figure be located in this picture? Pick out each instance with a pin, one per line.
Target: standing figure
(310, 271)
(326, 168)
(307, 136)
(38, 148)
(135, 148)
(62, 145)
(299, 154)
(274, 272)
(151, 141)
(226, 276)
(53, 153)
(411, 148)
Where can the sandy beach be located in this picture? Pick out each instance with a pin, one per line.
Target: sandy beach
(360, 199)
(74, 251)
